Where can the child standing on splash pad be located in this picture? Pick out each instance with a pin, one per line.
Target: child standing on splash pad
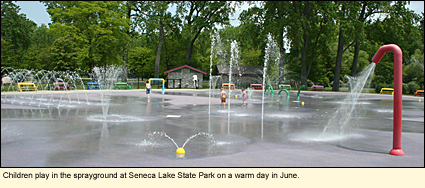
(244, 97)
(223, 97)
(148, 88)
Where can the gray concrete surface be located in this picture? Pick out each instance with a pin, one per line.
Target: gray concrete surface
(68, 129)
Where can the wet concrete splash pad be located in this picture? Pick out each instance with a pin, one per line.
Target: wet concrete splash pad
(133, 133)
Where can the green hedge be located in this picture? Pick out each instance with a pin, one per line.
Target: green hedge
(378, 87)
(412, 87)
(405, 89)
(408, 88)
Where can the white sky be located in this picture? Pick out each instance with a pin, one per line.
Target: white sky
(37, 12)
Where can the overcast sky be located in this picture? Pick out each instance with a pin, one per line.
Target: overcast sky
(36, 11)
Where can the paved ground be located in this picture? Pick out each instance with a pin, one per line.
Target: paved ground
(80, 129)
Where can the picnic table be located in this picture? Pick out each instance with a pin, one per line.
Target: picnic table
(317, 87)
(122, 85)
(282, 86)
(419, 93)
(226, 86)
(387, 91)
(94, 85)
(256, 86)
(60, 86)
(26, 86)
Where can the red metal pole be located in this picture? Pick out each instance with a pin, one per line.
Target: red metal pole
(398, 70)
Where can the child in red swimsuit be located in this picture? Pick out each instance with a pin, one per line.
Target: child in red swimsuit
(223, 98)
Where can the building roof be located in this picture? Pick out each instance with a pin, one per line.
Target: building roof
(184, 66)
(242, 70)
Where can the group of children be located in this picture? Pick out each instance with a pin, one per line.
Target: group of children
(224, 96)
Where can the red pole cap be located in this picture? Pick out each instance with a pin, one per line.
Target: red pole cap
(384, 49)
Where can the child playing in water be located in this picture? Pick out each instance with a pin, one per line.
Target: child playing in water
(223, 98)
(244, 96)
(148, 88)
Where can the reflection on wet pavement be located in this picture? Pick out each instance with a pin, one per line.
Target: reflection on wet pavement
(77, 134)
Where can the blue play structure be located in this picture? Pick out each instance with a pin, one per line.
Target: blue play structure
(158, 79)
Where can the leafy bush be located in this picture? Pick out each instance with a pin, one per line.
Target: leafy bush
(405, 88)
(412, 87)
(378, 88)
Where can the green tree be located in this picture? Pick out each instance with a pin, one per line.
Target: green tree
(276, 22)
(202, 15)
(399, 27)
(309, 21)
(16, 32)
(252, 21)
(368, 9)
(7, 54)
(251, 36)
(38, 54)
(421, 29)
(100, 28)
(155, 17)
(414, 71)
(65, 53)
(346, 15)
(141, 61)
(129, 7)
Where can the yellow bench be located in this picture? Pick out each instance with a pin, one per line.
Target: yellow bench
(226, 86)
(26, 86)
(387, 91)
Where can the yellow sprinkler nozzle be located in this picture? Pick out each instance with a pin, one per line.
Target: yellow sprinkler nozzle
(180, 152)
(419, 100)
(236, 96)
(302, 103)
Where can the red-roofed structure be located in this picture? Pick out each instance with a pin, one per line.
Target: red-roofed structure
(184, 66)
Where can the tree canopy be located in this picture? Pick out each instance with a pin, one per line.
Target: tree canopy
(318, 41)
